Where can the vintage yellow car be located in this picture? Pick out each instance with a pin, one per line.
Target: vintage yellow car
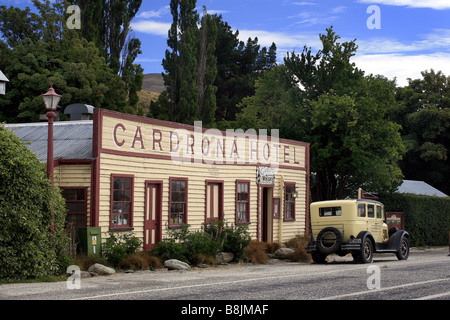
(356, 226)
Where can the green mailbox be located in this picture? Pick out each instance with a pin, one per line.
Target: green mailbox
(90, 240)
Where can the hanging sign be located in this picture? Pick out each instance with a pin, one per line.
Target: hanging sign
(265, 175)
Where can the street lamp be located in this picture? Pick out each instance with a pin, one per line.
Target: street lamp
(51, 100)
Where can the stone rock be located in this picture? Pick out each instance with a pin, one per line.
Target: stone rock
(284, 253)
(85, 274)
(174, 264)
(224, 257)
(101, 270)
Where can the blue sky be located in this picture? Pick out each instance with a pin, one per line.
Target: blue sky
(414, 35)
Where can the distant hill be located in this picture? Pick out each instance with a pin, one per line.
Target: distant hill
(153, 82)
(152, 87)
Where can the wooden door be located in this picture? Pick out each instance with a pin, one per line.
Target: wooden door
(153, 215)
(214, 201)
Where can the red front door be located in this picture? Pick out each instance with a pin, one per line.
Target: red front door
(153, 215)
(214, 201)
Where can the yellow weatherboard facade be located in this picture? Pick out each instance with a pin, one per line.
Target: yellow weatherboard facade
(154, 175)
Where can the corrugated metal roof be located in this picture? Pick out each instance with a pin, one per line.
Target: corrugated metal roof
(72, 140)
(419, 187)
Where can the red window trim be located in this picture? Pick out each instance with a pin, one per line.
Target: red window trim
(207, 184)
(185, 216)
(237, 202)
(286, 184)
(85, 201)
(130, 214)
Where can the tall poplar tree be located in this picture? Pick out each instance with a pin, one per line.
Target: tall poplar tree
(207, 69)
(180, 62)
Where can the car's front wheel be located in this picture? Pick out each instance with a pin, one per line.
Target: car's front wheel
(403, 251)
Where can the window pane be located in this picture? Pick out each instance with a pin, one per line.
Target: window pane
(289, 207)
(330, 211)
(361, 210)
(75, 207)
(122, 195)
(242, 196)
(378, 212)
(121, 207)
(122, 183)
(371, 211)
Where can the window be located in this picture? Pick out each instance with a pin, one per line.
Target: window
(289, 201)
(361, 210)
(276, 208)
(242, 202)
(371, 211)
(76, 205)
(178, 201)
(121, 201)
(330, 212)
(379, 215)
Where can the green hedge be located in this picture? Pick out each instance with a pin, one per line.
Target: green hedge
(29, 210)
(427, 219)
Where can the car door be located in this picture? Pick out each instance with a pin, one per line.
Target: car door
(375, 222)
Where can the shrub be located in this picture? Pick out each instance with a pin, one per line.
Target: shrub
(256, 252)
(133, 261)
(232, 239)
(118, 246)
(202, 246)
(32, 215)
(299, 244)
(170, 249)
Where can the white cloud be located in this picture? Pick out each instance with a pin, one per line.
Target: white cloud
(304, 3)
(281, 39)
(432, 4)
(151, 27)
(438, 40)
(155, 13)
(402, 66)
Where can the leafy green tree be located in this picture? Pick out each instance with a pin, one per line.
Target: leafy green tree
(32, 215)
(60, 57)
(424, 114)
(107, 23)
(73, 67)
(324, 99)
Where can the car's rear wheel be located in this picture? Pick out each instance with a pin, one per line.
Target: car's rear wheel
(329, 241)
(318, 257)
(403, 251)
(365, 255)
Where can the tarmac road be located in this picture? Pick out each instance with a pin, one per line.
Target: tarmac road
(425, 275)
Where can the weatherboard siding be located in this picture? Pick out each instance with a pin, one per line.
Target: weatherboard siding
(75, 176)
(140, 147)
